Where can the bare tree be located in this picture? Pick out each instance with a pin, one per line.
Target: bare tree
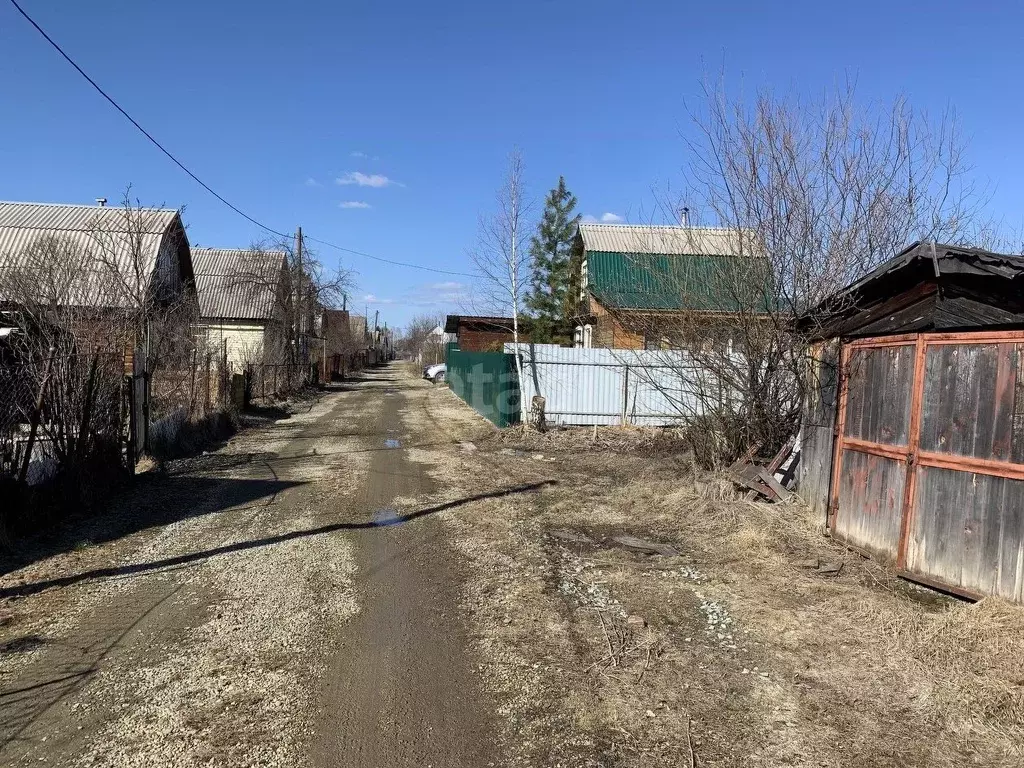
(807, 195)
(502, 256)
(88, 306)
(300, 285)
(420, 340)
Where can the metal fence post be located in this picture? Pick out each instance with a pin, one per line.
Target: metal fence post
(625, 394)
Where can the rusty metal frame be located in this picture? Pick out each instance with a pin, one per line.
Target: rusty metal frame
(837, 436)
(873, 342)
(912, 453)
(979, 337)
(942, 586)
(913, 449)
(884, 450)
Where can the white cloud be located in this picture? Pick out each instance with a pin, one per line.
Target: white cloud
(376, 180)
(311, 182)
(444, 295)
(606, 218)
(354, 204)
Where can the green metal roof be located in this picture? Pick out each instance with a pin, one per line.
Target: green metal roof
(663, 282)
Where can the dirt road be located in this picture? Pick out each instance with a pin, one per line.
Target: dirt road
(289, 599)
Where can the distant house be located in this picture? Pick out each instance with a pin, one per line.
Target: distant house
(341, 347)
(432, 349)
(360, 341)
(243, 300)
(478, 333)
(637, 281)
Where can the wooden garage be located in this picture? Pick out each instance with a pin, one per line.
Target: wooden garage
(913, 438)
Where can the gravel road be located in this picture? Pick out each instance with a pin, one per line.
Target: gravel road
(289, 599)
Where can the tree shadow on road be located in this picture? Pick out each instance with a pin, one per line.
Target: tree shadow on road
(150, 503)
(22, 590)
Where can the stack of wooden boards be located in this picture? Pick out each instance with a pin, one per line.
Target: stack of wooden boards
(762, 480)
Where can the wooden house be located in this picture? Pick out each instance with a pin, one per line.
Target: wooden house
(640, 285)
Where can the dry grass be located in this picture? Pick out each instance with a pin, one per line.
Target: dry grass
(640, 440)
(747, 657)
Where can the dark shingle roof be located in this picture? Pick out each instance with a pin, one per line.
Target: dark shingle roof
(237, 284)
(925, 287)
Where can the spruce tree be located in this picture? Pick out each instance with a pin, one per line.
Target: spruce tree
(549, 251)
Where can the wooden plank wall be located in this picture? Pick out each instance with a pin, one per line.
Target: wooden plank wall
(967, 531)
(818, 419)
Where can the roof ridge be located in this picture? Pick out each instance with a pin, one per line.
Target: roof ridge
(236, 250)
(624, 225)
(86, 205)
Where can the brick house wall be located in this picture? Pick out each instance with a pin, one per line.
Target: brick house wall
(486, 337)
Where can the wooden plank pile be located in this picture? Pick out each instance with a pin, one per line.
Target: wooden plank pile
(762, 480)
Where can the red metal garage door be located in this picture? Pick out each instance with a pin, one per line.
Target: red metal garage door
(929, 465)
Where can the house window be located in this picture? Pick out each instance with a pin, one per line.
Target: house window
(588, 336)
(583, 280)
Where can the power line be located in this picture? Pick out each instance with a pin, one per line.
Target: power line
(195, 178)
(142, 130)
(389, 261)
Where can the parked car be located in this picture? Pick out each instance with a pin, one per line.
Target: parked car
(436, 373)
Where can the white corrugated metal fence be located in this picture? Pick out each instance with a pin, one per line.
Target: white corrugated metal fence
(616, 386)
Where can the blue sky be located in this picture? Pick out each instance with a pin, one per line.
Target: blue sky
(417, 105)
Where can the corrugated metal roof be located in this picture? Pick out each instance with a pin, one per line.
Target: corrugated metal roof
(692, 282)
(665, 240)
(107, 255)
(62, 217)
(237, 284)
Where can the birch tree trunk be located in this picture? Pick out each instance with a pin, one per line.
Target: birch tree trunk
(500, 258)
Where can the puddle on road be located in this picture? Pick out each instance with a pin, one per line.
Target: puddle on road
(392, 443)
(386, 516)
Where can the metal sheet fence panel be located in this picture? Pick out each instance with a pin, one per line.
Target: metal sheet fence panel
(614, 386)
(487, 382)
